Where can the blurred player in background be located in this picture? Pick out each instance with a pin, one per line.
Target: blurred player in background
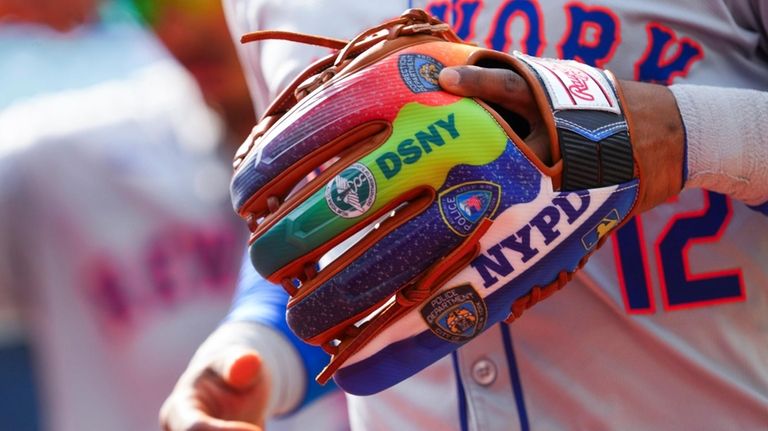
(118, 248)
(196, 34)
(666, 326)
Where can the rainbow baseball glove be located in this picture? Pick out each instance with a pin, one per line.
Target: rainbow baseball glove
(404, 220)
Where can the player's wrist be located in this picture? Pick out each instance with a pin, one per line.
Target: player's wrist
(658, 140)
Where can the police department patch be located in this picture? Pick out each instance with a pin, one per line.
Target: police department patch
(602, 228)
(456, 315)
(462, 206)
(352, 192)
(419, 72)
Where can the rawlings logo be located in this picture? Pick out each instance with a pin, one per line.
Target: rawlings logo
(573, 85)
(352, 192)
(457, 314)
(544, 224)
(462, 206)
(419, 72)
(410, 150)
(579, 87)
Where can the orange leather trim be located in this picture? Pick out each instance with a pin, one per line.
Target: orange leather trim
(630, 128)
(310, 39)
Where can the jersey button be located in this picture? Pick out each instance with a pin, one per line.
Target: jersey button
(484, 372)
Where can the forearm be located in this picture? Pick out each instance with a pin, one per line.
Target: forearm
(727, 140)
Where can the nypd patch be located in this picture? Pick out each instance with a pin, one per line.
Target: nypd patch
(419, 72)
(464, 205)
(457, 314)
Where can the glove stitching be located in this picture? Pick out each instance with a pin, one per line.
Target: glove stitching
(608, 128)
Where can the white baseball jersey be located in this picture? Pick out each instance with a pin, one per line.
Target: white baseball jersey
(116, 234)
(666, 327)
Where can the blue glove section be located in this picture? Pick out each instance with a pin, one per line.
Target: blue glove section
(258, 300)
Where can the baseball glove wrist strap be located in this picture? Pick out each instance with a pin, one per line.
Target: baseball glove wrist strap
(591, 125)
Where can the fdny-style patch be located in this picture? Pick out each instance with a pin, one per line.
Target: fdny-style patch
(419, 72)
(602, 229)
(456, 315)
(464, 205)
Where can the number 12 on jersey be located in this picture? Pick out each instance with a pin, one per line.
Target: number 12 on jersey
(680, 288)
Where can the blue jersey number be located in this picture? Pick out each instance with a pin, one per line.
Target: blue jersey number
(679, 287)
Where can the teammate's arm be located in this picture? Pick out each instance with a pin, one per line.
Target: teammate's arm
(251, 368)
(225, 387)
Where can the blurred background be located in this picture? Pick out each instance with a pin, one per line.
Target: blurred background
(118, 246)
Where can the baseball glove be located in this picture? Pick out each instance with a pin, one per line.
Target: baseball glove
(435, 218)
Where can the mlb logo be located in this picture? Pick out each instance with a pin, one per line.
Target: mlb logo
(606, 224)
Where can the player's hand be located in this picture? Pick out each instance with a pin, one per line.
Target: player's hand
(225, 388)
(658, 142)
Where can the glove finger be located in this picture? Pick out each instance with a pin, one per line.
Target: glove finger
(499, 86)
(506, 90)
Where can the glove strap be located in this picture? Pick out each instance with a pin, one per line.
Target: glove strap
(592, 129)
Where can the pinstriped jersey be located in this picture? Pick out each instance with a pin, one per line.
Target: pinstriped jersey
(666, 327)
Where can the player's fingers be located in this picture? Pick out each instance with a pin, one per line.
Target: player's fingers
(239, 367)
(499, 86)
(504, 88)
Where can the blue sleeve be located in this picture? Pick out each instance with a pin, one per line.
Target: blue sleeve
(258, 300)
